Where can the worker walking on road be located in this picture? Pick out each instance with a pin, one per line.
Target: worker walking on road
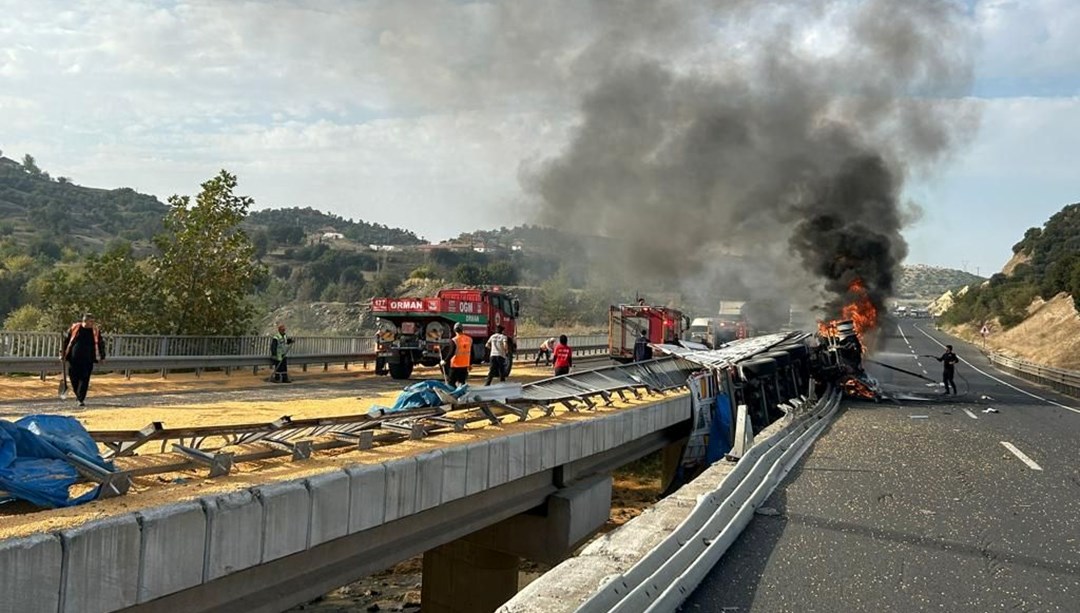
(459, 356)
(948, 360)
(279, 349)
(564, 357)
(499, 347)
(83, 348)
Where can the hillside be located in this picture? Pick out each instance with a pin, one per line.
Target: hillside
(1046, 263)
(919, 281)
(293, 224)
(1031, 306)
(36, 209)
(1050, 334)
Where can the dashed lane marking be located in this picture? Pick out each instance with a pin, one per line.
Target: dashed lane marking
(1023, 456)
(970, 414)
(1005, 383)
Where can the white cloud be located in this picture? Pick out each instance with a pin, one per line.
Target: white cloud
(408, 112)
(1029, 39)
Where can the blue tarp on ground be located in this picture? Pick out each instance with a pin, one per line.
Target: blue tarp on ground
(33, 464)
(419, 395)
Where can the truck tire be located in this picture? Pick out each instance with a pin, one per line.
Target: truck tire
(402, 369)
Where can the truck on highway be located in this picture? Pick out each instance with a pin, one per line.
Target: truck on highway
(413, 331)
(662, 325)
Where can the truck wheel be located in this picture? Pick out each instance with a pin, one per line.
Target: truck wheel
(401, 370)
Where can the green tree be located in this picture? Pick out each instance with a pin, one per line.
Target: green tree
(468, 274)
(206, 268)
(28, 318)
(501, 273)
(30, 165)
(556, 301)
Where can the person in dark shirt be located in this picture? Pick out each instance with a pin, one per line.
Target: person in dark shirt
(82, 348)
(948, 361)
(642, 350)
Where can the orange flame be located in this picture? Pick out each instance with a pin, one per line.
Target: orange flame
(861, 310)
(855, 388)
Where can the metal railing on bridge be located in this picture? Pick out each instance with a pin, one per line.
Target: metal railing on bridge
(37, 352)
(1065, 381)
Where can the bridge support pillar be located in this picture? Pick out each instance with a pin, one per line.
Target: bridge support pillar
(479, 572)
(463, 577)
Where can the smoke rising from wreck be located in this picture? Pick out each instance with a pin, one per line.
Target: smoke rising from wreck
(768, 160)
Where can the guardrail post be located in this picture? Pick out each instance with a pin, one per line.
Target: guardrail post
(744, 433)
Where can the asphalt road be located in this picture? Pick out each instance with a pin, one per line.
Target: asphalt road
(921, 505)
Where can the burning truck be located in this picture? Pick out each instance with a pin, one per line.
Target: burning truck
(838, 358)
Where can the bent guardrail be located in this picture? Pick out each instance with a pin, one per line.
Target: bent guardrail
(36, 352)
(1064, 381)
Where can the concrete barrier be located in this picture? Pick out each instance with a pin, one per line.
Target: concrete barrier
(101, 565)
(266, 543)
(234, 533)
(30, 573)
(367, 490)
(172, 549)
(330, 506)
(286, 511)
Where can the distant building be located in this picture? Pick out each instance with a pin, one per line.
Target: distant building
(383, 247)
(517, 246)
(332, 236)
(480, 248)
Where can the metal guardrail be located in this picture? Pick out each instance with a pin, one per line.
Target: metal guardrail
(670, 571)
(1064, 381)
(36, 352)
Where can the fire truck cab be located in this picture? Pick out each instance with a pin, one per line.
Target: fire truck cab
(663, 325)
(413, 331)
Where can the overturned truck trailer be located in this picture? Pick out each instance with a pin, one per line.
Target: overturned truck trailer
(766, 374)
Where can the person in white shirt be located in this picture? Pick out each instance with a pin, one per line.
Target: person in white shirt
(499, 347)
(546, 348)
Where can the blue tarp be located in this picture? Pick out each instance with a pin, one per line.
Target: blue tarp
(419, 395)
(720, 430)
(33, 464)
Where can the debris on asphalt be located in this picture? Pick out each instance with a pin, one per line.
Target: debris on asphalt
(769, 511)
(919, 416)
(990, 410)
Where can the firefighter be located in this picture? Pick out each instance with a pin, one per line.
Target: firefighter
(83, 348)
(564, 357)
(279, 349)
(948, 361)
(459, 356)
(642, 350)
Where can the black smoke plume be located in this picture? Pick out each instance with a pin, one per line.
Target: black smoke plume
(790, 156)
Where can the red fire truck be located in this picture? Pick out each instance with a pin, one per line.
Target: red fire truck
(626, 321)
(414, 331)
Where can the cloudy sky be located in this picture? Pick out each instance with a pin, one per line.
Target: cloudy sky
(426, 113)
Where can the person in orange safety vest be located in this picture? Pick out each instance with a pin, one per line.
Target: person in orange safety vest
(459, 356)
(82, 348)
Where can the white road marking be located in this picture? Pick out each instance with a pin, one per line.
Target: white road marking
(924, 371)
(1005, 383)
(902, 335)
(1020, 454)
(970, 414)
